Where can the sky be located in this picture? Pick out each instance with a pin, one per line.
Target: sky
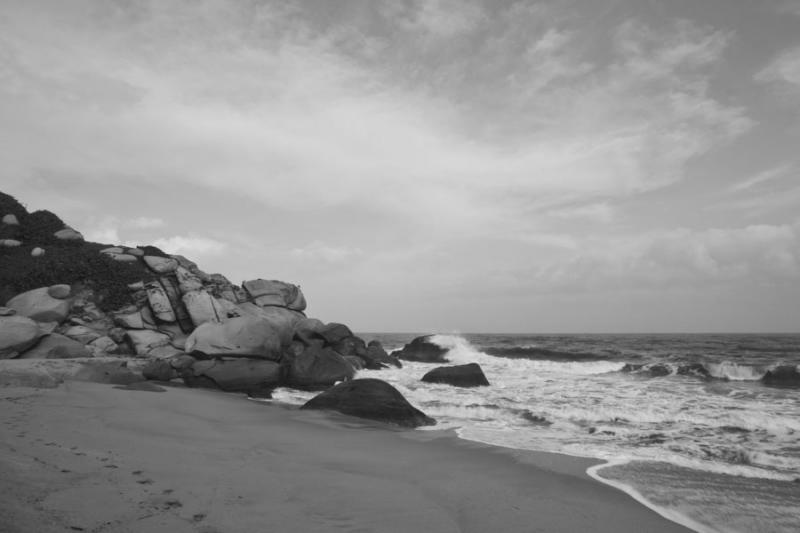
(429, 165)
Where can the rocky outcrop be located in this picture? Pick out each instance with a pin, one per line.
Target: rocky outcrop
(782, 376)
(241, 336)
(17, 334)
(145, 341)
(317, 367)
(377, 358)
(422, 350)
(372, 399)
(252, 376)
(469, 375)
(275, 293)
(40, 306)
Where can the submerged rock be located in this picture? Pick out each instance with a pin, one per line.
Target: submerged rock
(422, 350)
(469, 375)
(372, 399)
(782, 376)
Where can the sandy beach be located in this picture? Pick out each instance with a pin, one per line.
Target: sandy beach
(91, 457)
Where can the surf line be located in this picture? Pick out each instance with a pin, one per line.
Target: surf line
(669, 514)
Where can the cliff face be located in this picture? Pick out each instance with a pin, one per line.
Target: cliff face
(92, 299)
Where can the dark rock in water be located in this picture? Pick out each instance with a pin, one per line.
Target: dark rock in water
(377, 357)
(658, 370)
(350, 346)
(422, 350)
(782, 376)
(536, 419)
(694, 369)
(372, 399)
(630, 367)
(234, 375)
(318, 368)
(469, 375)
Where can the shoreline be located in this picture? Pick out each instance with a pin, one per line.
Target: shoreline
(93, 457)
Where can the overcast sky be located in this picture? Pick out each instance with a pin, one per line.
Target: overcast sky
(437, 165)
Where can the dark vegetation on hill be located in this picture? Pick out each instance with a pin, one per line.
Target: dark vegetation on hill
(64, 261)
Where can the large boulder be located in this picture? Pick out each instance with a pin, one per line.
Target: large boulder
(17, 334)
(335, 332)
(422, 350)
(249, 336)
(55, 346)
(160, 265)
(253, 376)
(202, 307)
(376, 357)
(373, 399)
(469, 375)
(146, 340)
(159, 302)
(782, 376)
(308, 329)
(281, 319)
(38, 305)
(318, 368)
(278, 293)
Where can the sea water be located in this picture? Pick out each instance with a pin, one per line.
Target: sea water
(683, 421)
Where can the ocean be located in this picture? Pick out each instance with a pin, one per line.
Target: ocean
(681, 422)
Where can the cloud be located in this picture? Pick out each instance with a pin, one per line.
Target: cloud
(190, 245)
(319, 251)
(144, 223)
(783, 69)
(762, 177)
(676, 258)
(596, 212)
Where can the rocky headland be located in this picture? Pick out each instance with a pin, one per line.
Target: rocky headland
(78, 310)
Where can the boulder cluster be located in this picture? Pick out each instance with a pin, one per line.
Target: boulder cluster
(123, 314)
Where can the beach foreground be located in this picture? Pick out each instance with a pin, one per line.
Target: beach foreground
(92, 457)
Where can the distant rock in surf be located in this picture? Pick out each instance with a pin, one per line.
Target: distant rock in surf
(422, 350)
(372, 399)
(782, 376)
(469, 375)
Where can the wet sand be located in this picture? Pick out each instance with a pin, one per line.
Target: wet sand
(91, 457)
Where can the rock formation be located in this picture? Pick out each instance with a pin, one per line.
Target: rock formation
(469, 375)
(372, 399)
(422, 350)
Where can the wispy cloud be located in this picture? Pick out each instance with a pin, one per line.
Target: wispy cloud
(762, 177)
(784, 68)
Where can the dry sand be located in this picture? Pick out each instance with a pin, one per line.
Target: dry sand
(91, 457)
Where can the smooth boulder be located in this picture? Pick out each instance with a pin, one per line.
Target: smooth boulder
(318, 367)
(469, 375)
(372, 399)
(55, 346)
(278, 293)
(38, 305)
(17, 334)
(240, 336)
(253, 376)
(422, 350)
